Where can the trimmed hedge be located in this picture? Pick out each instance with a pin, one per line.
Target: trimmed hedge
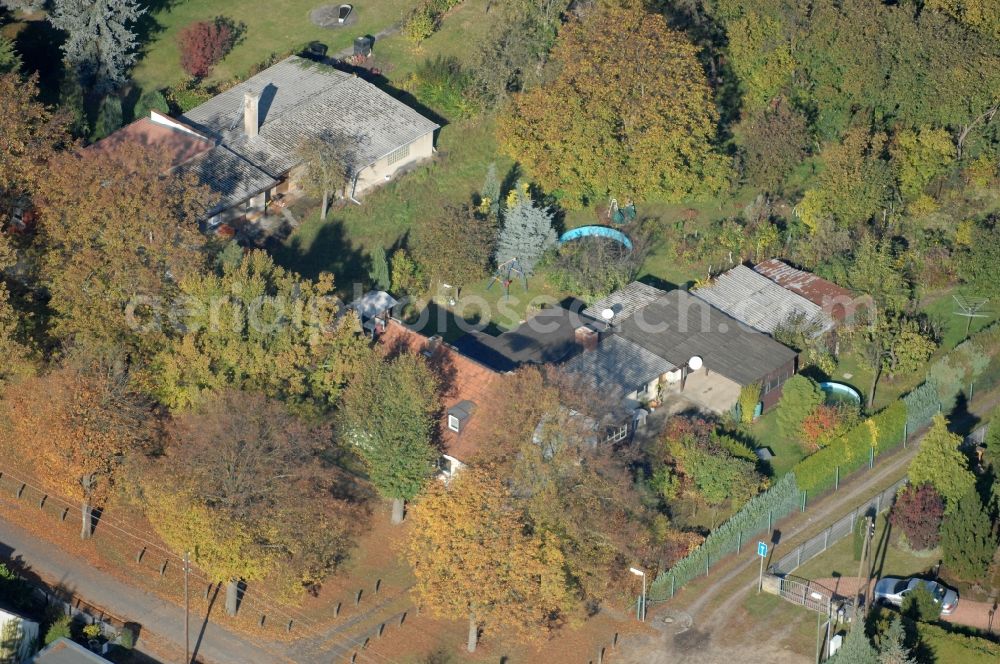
(754, 517)
(922, 404)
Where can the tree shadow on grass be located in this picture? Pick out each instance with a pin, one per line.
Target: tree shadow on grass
(39, 45)
(330, 251)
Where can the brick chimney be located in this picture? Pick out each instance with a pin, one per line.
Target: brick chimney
(251, 106)
(586, 338)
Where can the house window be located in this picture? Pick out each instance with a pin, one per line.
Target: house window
(398, 155)
(454, 423)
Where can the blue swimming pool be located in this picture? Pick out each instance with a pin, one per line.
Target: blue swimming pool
(839, 393)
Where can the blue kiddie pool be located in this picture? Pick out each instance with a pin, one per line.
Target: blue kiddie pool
(840, 394)
(596, 231)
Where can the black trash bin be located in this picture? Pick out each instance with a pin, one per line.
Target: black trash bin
(363, 46)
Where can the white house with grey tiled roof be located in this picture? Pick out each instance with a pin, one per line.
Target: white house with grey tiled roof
(253, 131)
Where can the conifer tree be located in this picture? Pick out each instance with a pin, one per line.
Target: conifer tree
(527, 230)
(857, 649)
(891, 649)
(100, 44)
(967, 538)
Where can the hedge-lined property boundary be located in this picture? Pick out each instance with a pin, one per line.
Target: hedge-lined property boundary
(948, 377)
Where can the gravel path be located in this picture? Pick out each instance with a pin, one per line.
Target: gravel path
(218, 645)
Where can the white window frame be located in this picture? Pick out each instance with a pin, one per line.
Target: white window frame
(397, 155)
(454, 423)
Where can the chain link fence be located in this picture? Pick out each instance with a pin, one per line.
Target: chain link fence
(838, 531)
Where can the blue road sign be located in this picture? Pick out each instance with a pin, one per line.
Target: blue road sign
(762, 549)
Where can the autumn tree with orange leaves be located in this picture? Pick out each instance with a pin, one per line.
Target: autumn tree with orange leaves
(75, 427)
(630, 113)
(473, 560)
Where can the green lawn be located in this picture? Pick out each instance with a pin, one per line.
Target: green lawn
(942, 307)
(270, 28)
(839, 560)
(786, 449)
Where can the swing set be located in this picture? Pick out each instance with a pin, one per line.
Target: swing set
(505, 274)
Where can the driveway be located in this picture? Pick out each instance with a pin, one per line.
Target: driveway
(162, 619)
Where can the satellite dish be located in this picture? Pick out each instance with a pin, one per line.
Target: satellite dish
(607, 314)
(695, 363)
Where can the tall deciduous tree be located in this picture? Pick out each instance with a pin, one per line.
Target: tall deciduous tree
(919, 157)
(30, 134)
(258, 327)
(773, 142)
(12, 354)
(854, 185)
(977, 264)
(875, 271)
(325, 168)
(455, 247)
(511, 55)
(893, 344)
(233, 473)
(387, 415)
(473, 559)
(629, 112)
(527, 230)
(100, 43)
(118, 236)
(76, 426)
(761, 55)
(942, 465)
(967, 538)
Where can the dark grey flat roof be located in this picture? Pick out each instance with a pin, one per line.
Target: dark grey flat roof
(617, 367)
(677, 326)
(547, 337)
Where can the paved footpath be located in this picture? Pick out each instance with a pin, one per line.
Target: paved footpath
(161, 618)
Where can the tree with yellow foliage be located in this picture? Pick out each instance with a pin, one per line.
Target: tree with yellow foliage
(630, 113)
(473, 559)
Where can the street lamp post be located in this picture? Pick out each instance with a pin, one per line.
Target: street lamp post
(641, 610)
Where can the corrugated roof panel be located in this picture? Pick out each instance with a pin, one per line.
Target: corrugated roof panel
(754, 299)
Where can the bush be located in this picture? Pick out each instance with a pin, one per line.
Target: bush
(13, 588)
(822, 426)
(61, 628)
(150, 101)
(920, 605)
(419, 25)
(109, 117)
(918, 512)
(441, 83)
(749, 398)
(183, 98)
(205, 43)
(799, 397)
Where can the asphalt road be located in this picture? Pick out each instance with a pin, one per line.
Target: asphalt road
(164, 620)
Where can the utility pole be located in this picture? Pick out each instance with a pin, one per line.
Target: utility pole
(187, 609)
